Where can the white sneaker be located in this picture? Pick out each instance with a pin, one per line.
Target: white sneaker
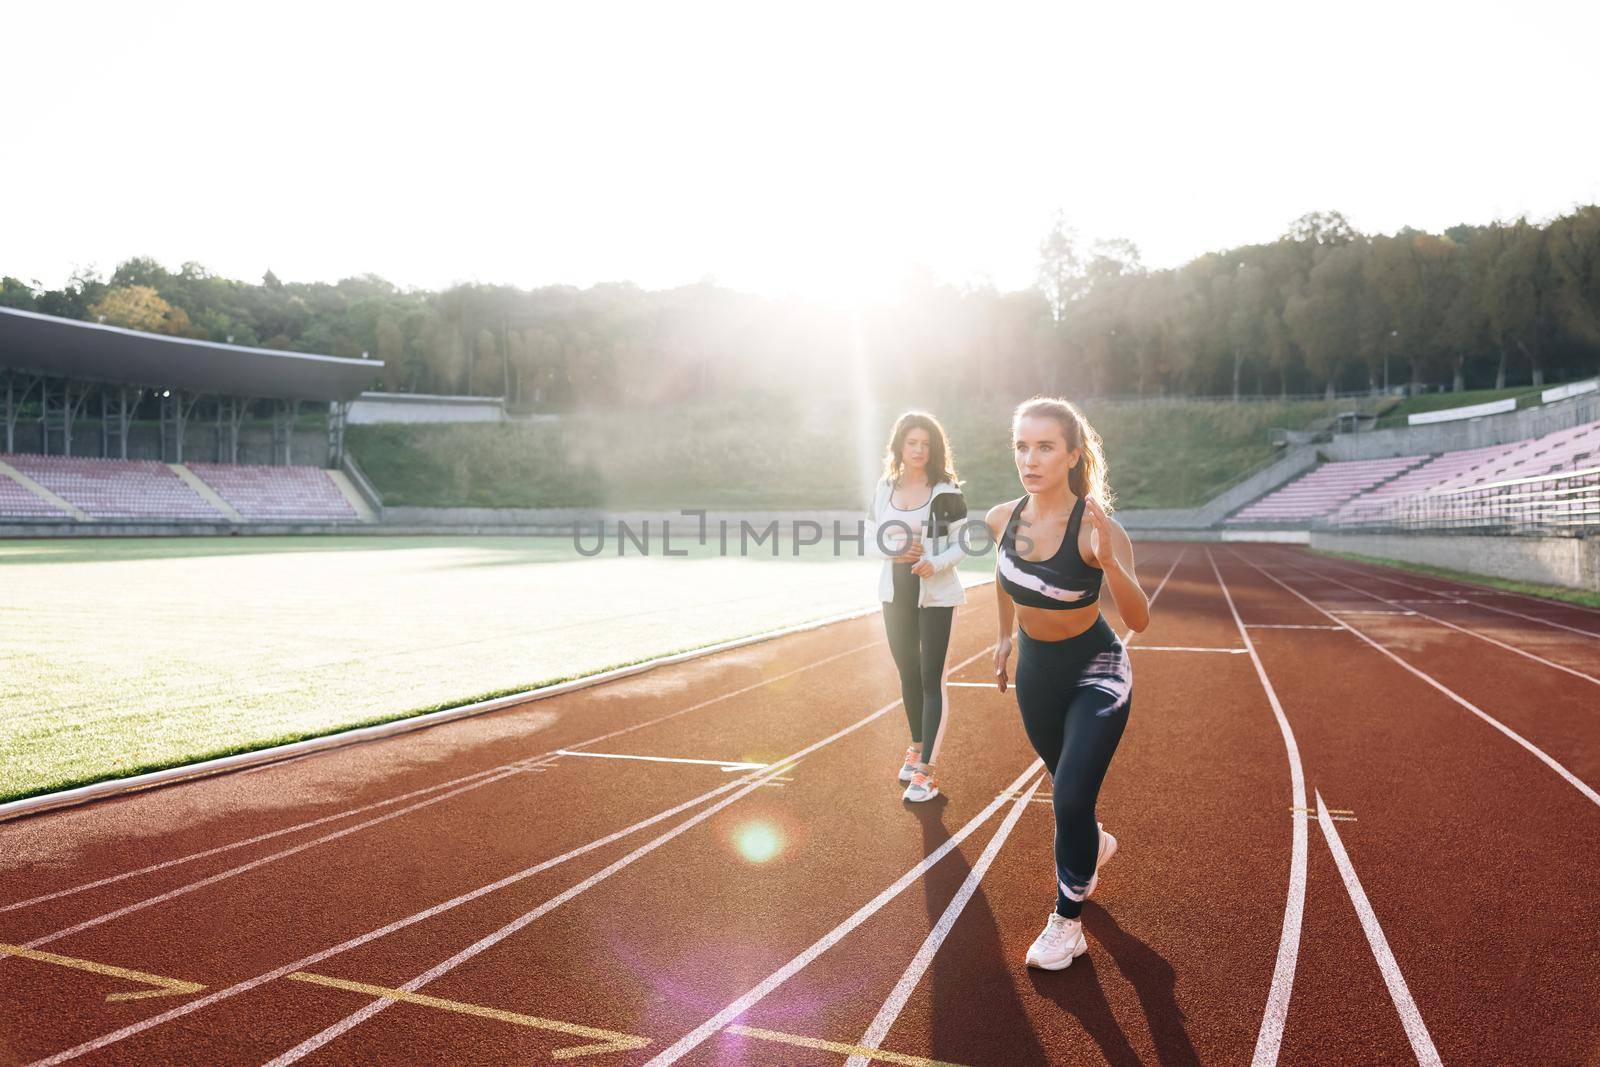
(909, 767)
(1058, 944)
(922, 787)
(1108, 848)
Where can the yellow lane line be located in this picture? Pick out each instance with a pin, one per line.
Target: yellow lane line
(165, 987)
(609, 1040)
(840, 1048)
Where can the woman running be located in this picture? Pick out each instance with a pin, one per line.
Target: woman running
(912, 521)
(1074, 681)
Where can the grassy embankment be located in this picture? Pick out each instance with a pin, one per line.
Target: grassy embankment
(775, 452)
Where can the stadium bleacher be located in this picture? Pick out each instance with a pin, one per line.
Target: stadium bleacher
(150, 490)
(1356, 490)
(117, 488)
(1323, 490)
(288, 494)
(17, 502)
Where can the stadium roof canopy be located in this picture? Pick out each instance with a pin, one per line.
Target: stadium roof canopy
(90, 352)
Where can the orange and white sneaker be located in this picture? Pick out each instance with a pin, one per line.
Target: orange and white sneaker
(1108, 848)
(909, 768)
(923, 787)
(1058, 944)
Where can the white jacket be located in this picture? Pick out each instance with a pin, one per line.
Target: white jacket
(941, 589)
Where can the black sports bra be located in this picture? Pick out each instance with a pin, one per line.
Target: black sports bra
(1062, 581)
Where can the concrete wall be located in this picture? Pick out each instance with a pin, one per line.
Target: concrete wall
(1470, 433)
(1568, 561)
(371, 408)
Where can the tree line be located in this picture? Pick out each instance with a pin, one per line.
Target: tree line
(1324, 308)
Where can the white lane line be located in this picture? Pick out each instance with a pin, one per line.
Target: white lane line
(1538, 753)
(754, 780)
(381, 1004)
(301, 964)
(1469, 591)
(1185, 648)
(890, 1011)
(1365, 611)
(727, 765)
(1290, 626)
(972, 685)
(147, 902)
(1442, 622)
(1128, 636)
(1410, 1017)
(711, 1026)
(418, 792)
(1270, 1038)
(249, 840)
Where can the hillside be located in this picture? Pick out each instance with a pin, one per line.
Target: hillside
(776, 452)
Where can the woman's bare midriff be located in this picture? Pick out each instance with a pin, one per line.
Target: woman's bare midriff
(1043, 624)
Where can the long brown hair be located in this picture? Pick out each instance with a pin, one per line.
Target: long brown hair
(1089, 478)
(941, 461)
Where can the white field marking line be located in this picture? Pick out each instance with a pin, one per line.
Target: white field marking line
(399, 924)
(1485, 607)
(725, 764)
(711, 1026)
(162, 898)
(1127, 637)
(1410, 1017)
(1185, 648)
(1290, 626)
(1367, 611)
(875, 1033)
(532, 760)
(1270, 1038)
(1442, 622)
(1457, 698)
(355, 1019)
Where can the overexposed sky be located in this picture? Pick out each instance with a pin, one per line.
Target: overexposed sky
(827, 150)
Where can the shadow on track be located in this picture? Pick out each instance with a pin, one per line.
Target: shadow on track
(976, 1013)
(1152, 978)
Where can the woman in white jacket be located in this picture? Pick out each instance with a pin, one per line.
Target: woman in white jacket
(914, 520)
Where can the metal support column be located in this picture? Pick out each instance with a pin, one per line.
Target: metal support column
(338, 411)
(284, 415)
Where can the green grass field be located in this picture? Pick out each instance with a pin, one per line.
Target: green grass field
(122, 656)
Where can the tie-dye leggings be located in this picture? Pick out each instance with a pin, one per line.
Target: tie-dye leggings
(1074, 695)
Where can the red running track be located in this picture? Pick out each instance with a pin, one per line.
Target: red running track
(1357, 810)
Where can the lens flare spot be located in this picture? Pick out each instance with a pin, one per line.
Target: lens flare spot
(758, 842)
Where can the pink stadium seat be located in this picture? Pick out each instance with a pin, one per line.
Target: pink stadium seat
(115, 488)
(17, 503)
(284, 494)
(1323, 490)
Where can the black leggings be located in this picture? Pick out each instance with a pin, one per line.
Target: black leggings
(919, 638)
(1075, 695)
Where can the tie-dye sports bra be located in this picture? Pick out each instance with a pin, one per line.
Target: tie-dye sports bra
(1062, 581)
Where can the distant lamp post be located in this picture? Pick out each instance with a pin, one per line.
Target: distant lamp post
(1393, 340)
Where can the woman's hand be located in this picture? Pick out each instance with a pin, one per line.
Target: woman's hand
(1002, 655)
(1100, 535)
(923, 568)
(912, 555)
